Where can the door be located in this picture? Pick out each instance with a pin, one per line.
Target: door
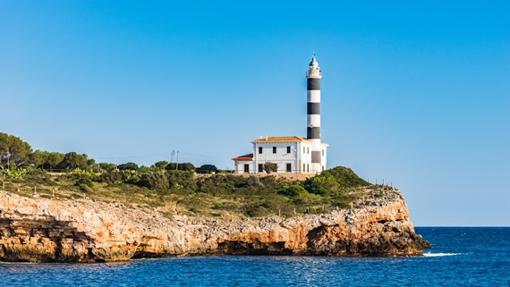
(246, 168)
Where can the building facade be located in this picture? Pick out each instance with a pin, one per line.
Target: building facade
(292, 154)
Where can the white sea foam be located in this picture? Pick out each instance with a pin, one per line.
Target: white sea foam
(439, 254)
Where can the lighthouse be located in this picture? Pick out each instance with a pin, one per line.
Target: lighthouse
(313, 87)
(292, 154)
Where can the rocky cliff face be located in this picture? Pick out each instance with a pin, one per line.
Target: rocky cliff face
(45, 230)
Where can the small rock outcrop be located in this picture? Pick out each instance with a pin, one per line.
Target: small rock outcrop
(46, 230)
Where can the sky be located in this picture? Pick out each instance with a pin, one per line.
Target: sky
(414, 93)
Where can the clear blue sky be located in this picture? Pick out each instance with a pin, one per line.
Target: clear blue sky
(417, 94)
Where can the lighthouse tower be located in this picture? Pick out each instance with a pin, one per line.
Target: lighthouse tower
(318, 148)
(313, 77)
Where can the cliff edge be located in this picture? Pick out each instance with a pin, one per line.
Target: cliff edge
(83, 230)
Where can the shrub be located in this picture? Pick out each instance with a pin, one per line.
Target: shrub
(305, 198)
(85, 188)
(270, 167)
(207, 168)
(83, 180)
(332, 181)
(340, 200)
(91, 163)
(270, 181)
(130, 176)
(187, 166)
(162, 164)
(241, 182)
(216, 184)
(345, 177)
(128, 166)
(107, 167)
(83, 172)
(156, 180)
(13, 173)
(293, 190)
(111, 177)
(178, 179)
(267, 205)
(323, 184)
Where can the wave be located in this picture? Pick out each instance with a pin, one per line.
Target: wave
(439, 254)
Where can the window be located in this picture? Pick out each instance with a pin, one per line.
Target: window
(288, 149)
(304, 151)
(308, 150)
(274, 149)
(261, 167)
(322, 168)
(289, 167)
(322, 152)
(260, 149)
(246, 167)
(316, 156)
(307, 168)
(304, 167)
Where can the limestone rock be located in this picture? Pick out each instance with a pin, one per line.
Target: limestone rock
(45, 230)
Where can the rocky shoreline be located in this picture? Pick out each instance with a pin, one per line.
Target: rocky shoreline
(47, 230)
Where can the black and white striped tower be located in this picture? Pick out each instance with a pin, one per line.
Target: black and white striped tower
(313, 77)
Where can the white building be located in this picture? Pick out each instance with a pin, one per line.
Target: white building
(292, 154)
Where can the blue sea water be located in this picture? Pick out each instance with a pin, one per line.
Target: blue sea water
(459, 257)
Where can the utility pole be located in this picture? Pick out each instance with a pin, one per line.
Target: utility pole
(177, 160)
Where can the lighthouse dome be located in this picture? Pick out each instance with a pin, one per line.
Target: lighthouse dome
(314, 70)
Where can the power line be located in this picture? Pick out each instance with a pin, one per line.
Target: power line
(174, 157)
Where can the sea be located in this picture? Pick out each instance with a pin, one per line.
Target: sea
(460, 256)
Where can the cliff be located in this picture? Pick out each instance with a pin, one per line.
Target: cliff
(46, 230)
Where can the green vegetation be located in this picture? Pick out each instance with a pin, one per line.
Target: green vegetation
(14, 152)
(207, 168)
(170, 187)
(270, 167)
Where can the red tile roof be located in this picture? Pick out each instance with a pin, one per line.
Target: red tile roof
(284, 139)
(244, 157)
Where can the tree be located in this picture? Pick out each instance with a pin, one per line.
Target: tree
(46, 160)
(187, 166)
(38, 158)
(13, 151)
(270, 167)
(73, 160)
(53, 160)
(108, 167)
(207, 168)
(162, 164)
(91, 162)
(128, 166)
